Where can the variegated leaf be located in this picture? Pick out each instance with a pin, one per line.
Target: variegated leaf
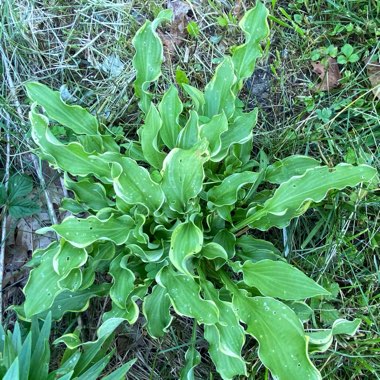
(70, 116)
(184, 293)
(148, 58)
(156, 309)
(170, 108)
(186, 241)
(83, 232)
(149, 133)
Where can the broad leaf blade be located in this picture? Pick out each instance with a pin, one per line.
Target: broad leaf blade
(156, 309)
(255, 27)
(73, 117)
(186, 241)
(239, 132)
(184, 295)
(149, 138)
(182, 176)
(189, 135)
(290, 198)
(123, 281)
(72, 157)
(282, 341)
(219, 97)
(196, 96)
(170, 108)
(93, 194)
(148, 58)
(281, 280)
(212, 131)
(68, 258)
(282, 170)
(134, 185)
(83, 232)
(227, 192)
(320, 340)
(192, 359)
(226, 338)
(43, 280)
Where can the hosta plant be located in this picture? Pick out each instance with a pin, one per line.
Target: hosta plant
(165, 216)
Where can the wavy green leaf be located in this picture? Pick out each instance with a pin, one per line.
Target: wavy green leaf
(219, 97)
(123, 281)
(131, 312)
(192, 359)
(170, 108)
(321, 340)
(227, 240)
(73, 117)
(255, 27)
(72, 281)
(196, 96)
(239, 132)
(189, 135)
(281, 280)
(71, 157)
(68, 301)
(282, 340)
(290, 199)
(145, 254)
(149, 138)
(226, 338)
(156, 309)
(282, 170)
(77, 301)
(83, 232)
(227, 192)
(252, 249)
(184, 295)
(93, 194)
(182, 176)
(186, 241)
(214, 251)
(43, 280)
(148, 57)
(212, 131)
(68, 258)
(134, 185)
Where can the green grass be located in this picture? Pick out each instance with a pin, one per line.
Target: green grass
(69, 46)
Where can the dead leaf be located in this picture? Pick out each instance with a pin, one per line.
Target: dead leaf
(329, 74)
(177, 32)
(373, 72)
(237, 9)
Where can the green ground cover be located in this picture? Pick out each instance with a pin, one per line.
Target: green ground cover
(84, 50)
